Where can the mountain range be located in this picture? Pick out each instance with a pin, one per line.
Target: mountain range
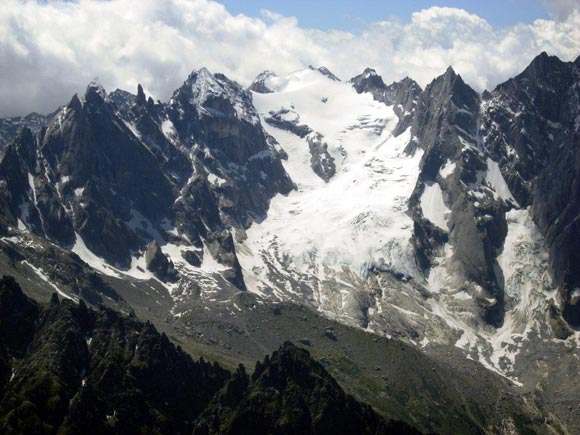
(420, 243)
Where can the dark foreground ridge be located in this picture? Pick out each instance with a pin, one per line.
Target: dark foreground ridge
(290, 393)
(68, 369)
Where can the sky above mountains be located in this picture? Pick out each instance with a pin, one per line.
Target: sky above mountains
(51, 49)
(355, 15)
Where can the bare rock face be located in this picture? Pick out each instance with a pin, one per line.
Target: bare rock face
(221, 247)
(157, 262)
(320, 159)
(531, 127)
(192, 258)
(279, 120)
(445, 129)
(28, 193)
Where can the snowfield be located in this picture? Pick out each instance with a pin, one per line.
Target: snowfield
(356, 220)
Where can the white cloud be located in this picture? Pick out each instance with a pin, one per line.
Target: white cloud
(562, 8)
(50, 51)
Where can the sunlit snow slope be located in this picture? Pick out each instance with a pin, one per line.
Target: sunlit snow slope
(326, 234)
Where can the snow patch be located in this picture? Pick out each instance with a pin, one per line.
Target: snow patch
(433, 206)
(91, 259)
(447, 169)
(497, 182)
(215, 180)
(169, 131)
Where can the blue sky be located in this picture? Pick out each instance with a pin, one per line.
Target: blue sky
(352, 14)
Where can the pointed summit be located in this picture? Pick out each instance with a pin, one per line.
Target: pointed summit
(407, 83)
(450, 72)
(451, 84)
(96, 86)
(141, 100)
(368, 81)
(95, 92)
(542, 66)
(199, 78)
(75, 103)
(203, 73)
(215, 95)
(544, 72)
(451, 77)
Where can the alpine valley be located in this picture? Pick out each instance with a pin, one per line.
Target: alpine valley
(419, 248)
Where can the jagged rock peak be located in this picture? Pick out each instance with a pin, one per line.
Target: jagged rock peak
(409, 80)
(74, 103)
(542, 67)
(324, 71)
(406, 83)
(543, 72)
(368, 81)
(204, 89)
(450, 77)
(452, 84)
(141, 100)
(201, 79)
(450, 72)
(96, 88)
(122, 100)
(544, 60)
(25, 135)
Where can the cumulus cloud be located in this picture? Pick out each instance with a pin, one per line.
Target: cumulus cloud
(50, 50)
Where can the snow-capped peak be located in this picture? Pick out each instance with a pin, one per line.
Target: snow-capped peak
(203, 89)
(204, 84)
(260, 83)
